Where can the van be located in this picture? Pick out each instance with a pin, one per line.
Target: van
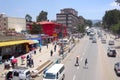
(19, 73)
(56, 72)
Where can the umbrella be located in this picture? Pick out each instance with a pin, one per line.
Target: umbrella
(22, 57)
(14, 60)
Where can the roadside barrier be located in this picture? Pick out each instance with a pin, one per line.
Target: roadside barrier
(41, 68)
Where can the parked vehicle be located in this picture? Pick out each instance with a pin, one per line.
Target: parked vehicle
(19, 73)
(56, 72)
(117, 68)
(111, 52)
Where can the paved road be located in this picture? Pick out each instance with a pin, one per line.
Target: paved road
(100, 67)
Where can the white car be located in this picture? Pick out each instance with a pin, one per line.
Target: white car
(117, 68)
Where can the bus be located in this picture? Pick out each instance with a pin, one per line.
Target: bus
(56, 72)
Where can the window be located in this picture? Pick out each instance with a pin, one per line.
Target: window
(61, 70)
(16, 74)
(27, 73)
(49, 76)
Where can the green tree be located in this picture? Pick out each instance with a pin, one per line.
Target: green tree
(88, 23)
(81, 28)
(36, 29)
(28, 18)
(115, 28)
(42, 16)
(98, 24)
(110, 18)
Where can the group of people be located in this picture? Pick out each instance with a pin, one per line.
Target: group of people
(30, 62)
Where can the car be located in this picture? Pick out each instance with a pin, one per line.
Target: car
(94, 40)
(111, 52)
(103, 40)
(18, 73)
(64, 41)
(117, 68)
(111, 42)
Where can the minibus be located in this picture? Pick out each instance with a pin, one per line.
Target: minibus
(56, 72)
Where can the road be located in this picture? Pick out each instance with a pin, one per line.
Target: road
(100, 66)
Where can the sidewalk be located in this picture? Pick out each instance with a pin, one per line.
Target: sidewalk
(38, 58)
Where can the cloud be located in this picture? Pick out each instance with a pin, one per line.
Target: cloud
(114, 5)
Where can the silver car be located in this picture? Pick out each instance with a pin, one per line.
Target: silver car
(111, 52)
(117, 68)
(103, 40)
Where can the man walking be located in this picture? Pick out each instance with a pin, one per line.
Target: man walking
(51, 52)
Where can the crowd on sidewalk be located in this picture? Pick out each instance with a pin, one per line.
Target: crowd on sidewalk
(30, 59)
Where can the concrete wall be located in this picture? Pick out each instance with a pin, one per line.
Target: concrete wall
(18, 24)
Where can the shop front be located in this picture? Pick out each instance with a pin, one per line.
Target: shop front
(14, 48)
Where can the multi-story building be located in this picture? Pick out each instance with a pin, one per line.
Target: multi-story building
(68, 17)
(18, 24)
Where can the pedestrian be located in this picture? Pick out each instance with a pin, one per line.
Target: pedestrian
(55, 48)
(28, 62)
(40, 49)
(47, 46)
(51, 52)
(34, 51)
(86, 62)
(32, 62)
(77, 61)
(27, 57)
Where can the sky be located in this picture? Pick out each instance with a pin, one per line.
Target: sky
(89, 9)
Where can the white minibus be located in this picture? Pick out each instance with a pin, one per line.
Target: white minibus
(56, 72)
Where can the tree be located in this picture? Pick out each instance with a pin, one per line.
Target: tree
(28, 18)
(36, 29)
(88, 22)
(42, 16)
(116, 28)
(98, 24)
(81, 28)
(110, 18)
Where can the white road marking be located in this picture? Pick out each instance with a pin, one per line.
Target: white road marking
(78, 67)
(81, 59)
(74, 77)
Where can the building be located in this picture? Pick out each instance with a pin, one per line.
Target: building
(68, 17)
(18, 24)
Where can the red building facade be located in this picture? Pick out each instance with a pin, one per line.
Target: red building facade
(53, 29)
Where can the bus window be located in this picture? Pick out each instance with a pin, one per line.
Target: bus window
(49, 76)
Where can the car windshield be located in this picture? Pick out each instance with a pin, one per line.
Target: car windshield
(49, 76)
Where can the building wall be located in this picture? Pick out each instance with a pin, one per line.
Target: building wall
(12, 23)
(18, 24)
(3, 22)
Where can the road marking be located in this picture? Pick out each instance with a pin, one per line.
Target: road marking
(78, 67)
(74, 77)
(81, 59)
